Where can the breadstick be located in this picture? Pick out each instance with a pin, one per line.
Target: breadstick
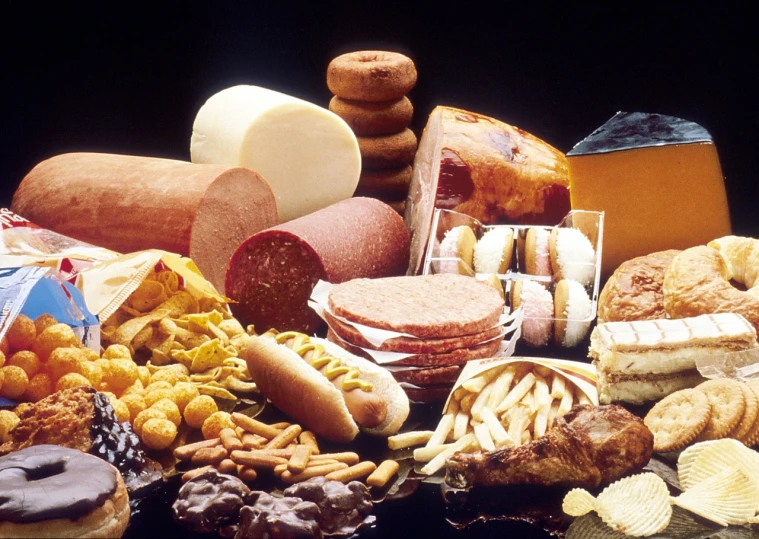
(284, 438)
(409, 439)
(256, 427)
(348, 457)
(309, 438)
(383, 473)
(192, 474)
(227, 466)
(248, 458)
(314, 471)
(357, 471)
(229, 439)
(185, 452)
(209, 455)
(299, 460)
(246, 473)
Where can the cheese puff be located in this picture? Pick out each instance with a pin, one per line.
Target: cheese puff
(40, 386)
(144, 375)
(2, 358)
(143, 416)
(160, 384)
(135, 388)
(65, 360)
(27, 360)
(121, 410)
(117, 351)
(120, 373)
(8, 420)
(4, 348)
(15, 382)
(90, 354)
(153, 395)
(169, 408)
(198, 410)
(215, 422)
(72, 379)
(93, 371)
(2, 377)
(44, 321)
(184, 392)
(56, 336)
(158, 433)
(21, 334)
(165, 375)
(135, 403)
(111, 396)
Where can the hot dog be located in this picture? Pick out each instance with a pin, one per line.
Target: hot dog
(327, 389)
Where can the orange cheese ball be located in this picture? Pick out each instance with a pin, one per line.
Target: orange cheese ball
(27, 360)
(4, 348)
(65, 360)
(169, 408)
(143, 416)
(198, 410)
(121, 410)
(165, 375)
(44, 321)
(71, 380)
(8, 420)
(40, 386)
(135, 388)
(2, 358)
(93, 372)
(15, 382)
(153, 395)
(135, 403)
(117, 351)
(144, 375)
(120, 374)
(184, 392)
(56, 336)
(217, 421)
(21, 334)
(158, 433)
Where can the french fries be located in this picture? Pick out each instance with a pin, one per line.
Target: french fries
(502, 407)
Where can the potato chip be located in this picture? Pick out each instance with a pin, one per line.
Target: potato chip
(149, 295)
(214, 391)
(706, 459)
(232, 327)
(637, 505)
(728, 497)
(175, 306)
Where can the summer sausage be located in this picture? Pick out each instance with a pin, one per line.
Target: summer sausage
(129, 203)
(272, 274)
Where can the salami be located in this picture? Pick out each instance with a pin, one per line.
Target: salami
(272, 273)
(128, 203)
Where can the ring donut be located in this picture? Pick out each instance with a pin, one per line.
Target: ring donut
(390, 183)
(374, 118)
(371, 75)
(54, 491)
(698, 280)
(387, 151)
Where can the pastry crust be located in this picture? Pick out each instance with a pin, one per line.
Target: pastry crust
(698, 280)
(634, 291)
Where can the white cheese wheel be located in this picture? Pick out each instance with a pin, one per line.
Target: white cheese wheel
(309, 155)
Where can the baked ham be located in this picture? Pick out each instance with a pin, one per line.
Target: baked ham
(588, 447)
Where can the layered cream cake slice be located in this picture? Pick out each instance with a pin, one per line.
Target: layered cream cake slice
(646, 360)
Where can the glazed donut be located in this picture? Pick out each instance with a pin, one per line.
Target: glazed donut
(698, 280)
(54, 491)
(634, 291)
(387, 151)
(374, 118)
(389, 183)
(371, 75)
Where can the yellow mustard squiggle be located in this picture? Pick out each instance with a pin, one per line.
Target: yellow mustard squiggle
(301, 345)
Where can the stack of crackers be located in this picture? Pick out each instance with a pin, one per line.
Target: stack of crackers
(386, 143)
(715, 409)
(429, 327)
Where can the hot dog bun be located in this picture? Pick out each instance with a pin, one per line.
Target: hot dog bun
(303, 393)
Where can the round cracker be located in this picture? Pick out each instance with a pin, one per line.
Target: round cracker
(752, 436)
(678, 419)
(746, 424)
(726, 399)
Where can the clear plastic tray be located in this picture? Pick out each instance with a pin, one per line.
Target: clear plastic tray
(590, 223)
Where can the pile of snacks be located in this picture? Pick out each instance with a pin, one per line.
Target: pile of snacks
(719, 408)
(240, 445)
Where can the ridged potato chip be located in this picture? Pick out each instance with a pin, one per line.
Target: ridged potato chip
(729, 497)
(637, 505)
(706, 459)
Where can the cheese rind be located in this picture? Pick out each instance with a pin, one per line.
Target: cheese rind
(309, 155)
(658, 180)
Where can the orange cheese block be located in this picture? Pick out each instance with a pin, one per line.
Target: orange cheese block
(657, 178)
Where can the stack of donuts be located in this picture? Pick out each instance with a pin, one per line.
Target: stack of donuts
(370, 90)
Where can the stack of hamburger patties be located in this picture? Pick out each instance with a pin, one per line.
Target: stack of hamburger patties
(423, 329)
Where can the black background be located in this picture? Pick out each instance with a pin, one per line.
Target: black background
(129, 78)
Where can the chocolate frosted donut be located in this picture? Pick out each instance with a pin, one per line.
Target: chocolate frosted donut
(371, 75)
(374, 117)
(53, 491)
